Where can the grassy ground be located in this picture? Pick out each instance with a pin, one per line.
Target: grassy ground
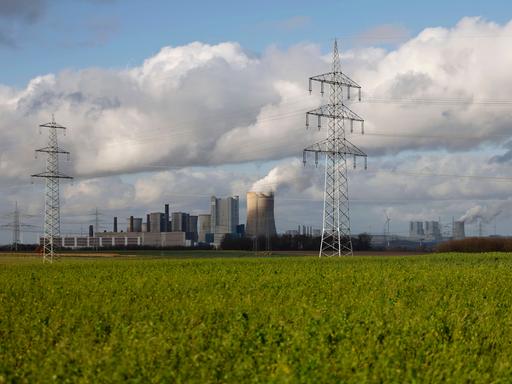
(433, 318)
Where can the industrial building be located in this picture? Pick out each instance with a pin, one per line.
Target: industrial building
(156, 222)
(304, 230)
(224, 217)
(416, 229)
(124, 239)
(260, 214)
(204, 225)
(458, 232)
(157, 231)
(433, 231)
(180, 229)
(133, 224)
(179, 221)
(191, 230)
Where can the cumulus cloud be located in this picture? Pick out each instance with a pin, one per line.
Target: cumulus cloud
(202, 104)
(440, 89)
(438, 96)
(190, 105)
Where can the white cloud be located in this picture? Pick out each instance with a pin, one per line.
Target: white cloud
(209, 105)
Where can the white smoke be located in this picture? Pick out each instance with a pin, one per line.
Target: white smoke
(486, 213)
(292, 175)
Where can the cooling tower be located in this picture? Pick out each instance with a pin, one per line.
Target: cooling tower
(260, 214)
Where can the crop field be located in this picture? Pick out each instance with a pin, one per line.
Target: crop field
(431, 318)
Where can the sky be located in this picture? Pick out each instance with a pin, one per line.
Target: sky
(175, 101)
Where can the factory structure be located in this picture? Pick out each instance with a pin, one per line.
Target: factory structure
(181, 229)
(260, 214)
(421, 234)
(304, 230)
(427, 231)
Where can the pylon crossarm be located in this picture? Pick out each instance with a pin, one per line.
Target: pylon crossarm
(339, 111)
(334, 78)
(345, 147)
(52, 175)
(52, 150)
(52, 125)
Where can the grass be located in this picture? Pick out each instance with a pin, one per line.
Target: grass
(432, 318)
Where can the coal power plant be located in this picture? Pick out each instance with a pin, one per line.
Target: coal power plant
(260, 214)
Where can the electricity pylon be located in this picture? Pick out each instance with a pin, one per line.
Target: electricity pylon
(16, 226)
(51, 203)
(336, 239)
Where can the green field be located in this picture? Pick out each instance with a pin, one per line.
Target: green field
(434, 318)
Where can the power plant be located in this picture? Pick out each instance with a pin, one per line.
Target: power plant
(260, 214)
(165, 229)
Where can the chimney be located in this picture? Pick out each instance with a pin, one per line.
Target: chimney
(148, 224)
(166, 218)
(115, 224)
(130, 228)
(91, 231)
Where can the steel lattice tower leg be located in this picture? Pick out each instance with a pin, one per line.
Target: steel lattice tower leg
(51, 236)
(336, 240)
(16, 228)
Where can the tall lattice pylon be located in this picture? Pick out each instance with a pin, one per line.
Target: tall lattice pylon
(51, 236)
(336, 239)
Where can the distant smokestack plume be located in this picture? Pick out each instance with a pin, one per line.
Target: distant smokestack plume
(485, 213)
(260, 214)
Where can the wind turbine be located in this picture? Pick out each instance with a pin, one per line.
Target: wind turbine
(386, 228)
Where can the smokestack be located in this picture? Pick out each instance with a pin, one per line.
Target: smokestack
(166, 218)
(130, 227)
(260, 214)
(115, 224)
(91, 231)
(148, 224)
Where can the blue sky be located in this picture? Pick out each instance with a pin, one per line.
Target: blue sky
(122, 33)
